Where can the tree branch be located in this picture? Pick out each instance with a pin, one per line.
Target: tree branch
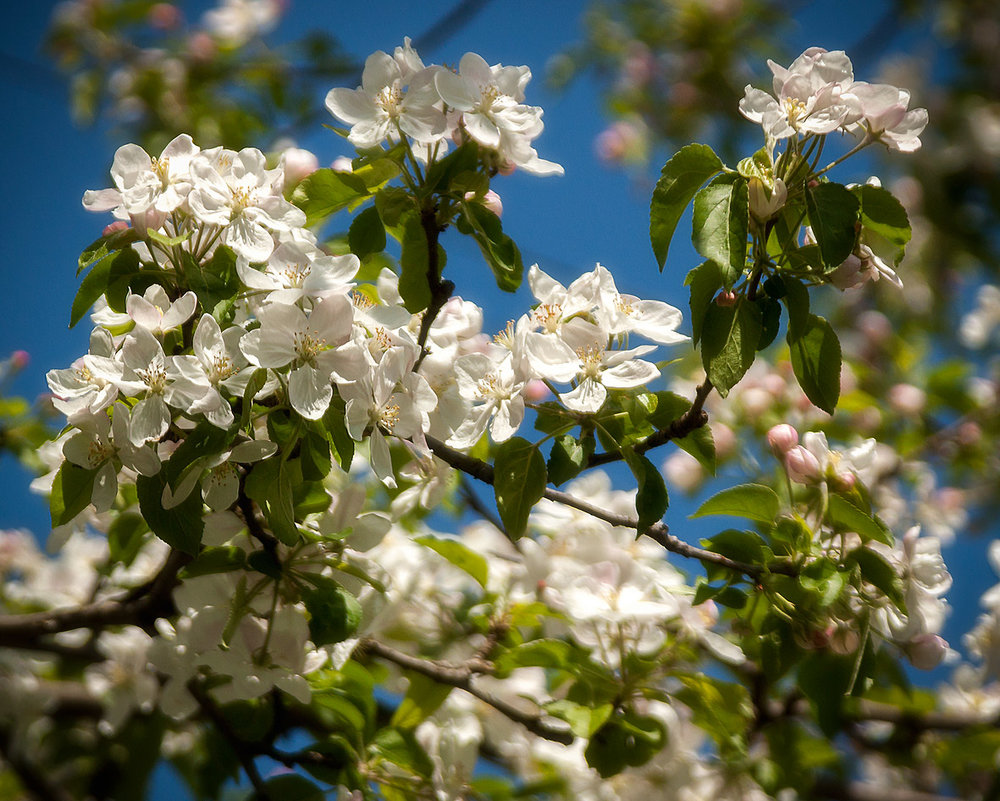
(859, 791)
(139, 607)
(658, 532)
(460, 676)
(440, 290)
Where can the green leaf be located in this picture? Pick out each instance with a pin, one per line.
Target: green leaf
(216, 560)
(743, 546)
(701, 445)
(423, 697)
(168, 241)
(125, 537)
(289, 787)
(497, 248)
(882, 213)
(325, 192)
(459, 555)
(336, 429)
(269, 483)
(796, 300)
(334, 614)
(414, 263)
(721, 708)
(705, 281)
(680, 179)
(879, 573)
(583, 719)
(816, 361)
(367, 233)
(216, 283)
(651, 501)
(545, 653)
(568, 457)
(123, 265)
(401, 748)
(180, 527)
(721, 222)
(845, 516)
(752, 501)
(833, 215)
(729, 342)
(518, 483)
(770, 311)
(101, 248)
(72, 491)
(825, 679)
(626, 740)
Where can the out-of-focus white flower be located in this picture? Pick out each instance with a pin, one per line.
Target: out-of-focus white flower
(235, 22)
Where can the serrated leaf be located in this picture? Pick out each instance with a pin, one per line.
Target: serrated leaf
(121, 266)
(833, 216)
(334, 613)
(721, 224)
(705, 281)
(651, 500)
(729, 342)
(519, 482)
(72, 492)
(752, 501)
(680, 179)
(847, 517)
(816, 362)
(367, 233)
(459, 555)
(568, 457)
(325, 192)
(414, 286)
(181, 526)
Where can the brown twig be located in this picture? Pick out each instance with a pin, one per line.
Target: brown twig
(461, 676)
(440, 290)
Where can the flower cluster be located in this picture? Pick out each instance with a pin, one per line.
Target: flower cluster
(817, 94)
(400, 96)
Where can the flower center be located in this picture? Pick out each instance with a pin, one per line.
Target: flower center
(162, 169)
(548, 316)
(155, 378)
(795, 109)
(591, 358)
(243, 197)
(490, 386)
(222, 367)
(294, 275)
(389, 99)
(388, 416)
(506, 337)
(307, 346)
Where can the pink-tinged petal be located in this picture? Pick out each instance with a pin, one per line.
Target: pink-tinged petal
(102, 199)
(381, 70)
(350, 105)
(457, 91)
(150, 420)
(587, 398)
(309, 392)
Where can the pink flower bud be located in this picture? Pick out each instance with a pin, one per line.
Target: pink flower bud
(492, 201)
(19, 359)
(907, 399)
(802, 466)
(342, 164)
(782, 438)
(298, 163)
(164, 16)
(683, 471)
(926, 651)
(117, 225)
(727, 298)
(725, 440)
(535, 391)
(201, 46)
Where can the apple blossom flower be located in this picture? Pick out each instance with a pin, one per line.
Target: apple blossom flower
(243, 198)
(492, 112)
(599, 370)
(316, 346)
(388, 103)
(886, 115)
(295, 271)
(494, 387)
(90, 385)
(154, 311)
(143, 183)
(620, 315)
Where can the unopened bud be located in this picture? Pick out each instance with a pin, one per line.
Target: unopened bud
(726, 298)
(164, 16)
(926, 651)
(342, 164)
(802, 465)
(765, 203)
(19, 359)
(907, 399)
(535, 391)
(117, 225)
(782, 438)
(298, 163)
